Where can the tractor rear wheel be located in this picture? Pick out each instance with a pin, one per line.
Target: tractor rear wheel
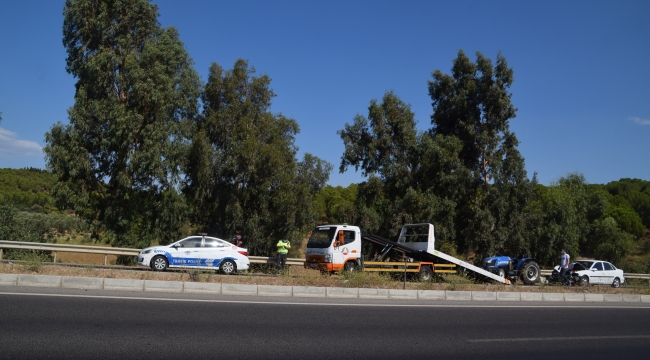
(530, 273)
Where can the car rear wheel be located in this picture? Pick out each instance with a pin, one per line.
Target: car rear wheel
(530, 273)
(228, 267)
(584, 280)
(159, 263)
(616, 283)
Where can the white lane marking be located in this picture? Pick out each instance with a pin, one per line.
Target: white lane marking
(323, 304)
(558, 338)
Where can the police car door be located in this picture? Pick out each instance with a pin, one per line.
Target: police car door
(214, 250)
(187, 252)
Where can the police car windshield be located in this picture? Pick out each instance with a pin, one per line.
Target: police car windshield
(321, 237)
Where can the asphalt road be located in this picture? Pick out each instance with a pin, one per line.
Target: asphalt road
(67, 324)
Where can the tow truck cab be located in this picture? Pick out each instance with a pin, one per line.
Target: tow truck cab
(332, 247)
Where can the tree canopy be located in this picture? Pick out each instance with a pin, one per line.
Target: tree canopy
(118, 160)
(242, 171)
(409, 172)
(473, 105)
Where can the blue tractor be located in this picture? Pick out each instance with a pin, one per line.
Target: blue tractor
(510, 268)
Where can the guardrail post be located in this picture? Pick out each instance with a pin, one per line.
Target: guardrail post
(0, 253)
(54, 256)
(105, 256)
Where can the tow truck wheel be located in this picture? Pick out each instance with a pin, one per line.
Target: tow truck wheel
(530, 273)
(350, 267)
(425, 273)
(159, 263)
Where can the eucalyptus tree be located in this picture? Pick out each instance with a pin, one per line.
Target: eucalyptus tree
(242, 171)
(118, 160)
(411, 176)
(473, 104)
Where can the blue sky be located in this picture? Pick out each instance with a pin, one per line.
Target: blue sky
(582, 80)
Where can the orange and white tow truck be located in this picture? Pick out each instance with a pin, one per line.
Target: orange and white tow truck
(337, 247)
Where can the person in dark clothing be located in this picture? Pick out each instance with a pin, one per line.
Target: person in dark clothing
(237, 241)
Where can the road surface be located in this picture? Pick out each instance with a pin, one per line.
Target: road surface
(75, 324)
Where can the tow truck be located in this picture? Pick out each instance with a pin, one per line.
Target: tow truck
(337, 247)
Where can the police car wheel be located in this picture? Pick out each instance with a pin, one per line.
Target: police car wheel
(159, 263)
(228, 267)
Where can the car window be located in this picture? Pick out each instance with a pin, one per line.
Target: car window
(193, 242)
(598, 266)
(214, 243)
(349, 236)
(608, 266)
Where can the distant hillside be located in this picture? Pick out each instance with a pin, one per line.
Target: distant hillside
(26, 187)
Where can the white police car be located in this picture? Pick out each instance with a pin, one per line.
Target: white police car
(199, 252)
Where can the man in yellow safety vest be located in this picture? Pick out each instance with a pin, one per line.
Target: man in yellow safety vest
(283, 248)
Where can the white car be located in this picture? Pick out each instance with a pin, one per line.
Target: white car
(199, 252)
(598, 272)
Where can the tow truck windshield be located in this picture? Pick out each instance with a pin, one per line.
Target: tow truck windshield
(321, 237)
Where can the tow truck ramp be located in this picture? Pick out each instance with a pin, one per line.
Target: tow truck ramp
(412, 246)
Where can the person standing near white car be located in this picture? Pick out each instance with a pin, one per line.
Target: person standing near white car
(565, 259)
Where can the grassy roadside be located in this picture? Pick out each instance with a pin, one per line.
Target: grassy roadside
(304, 277)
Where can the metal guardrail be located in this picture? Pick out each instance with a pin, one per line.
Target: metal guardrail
(106, 250)
(55, 248)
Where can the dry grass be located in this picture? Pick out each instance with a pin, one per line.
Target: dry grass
(80, 258)
(305, 277)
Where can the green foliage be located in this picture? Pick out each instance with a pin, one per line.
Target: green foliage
(13, 228)
(633, 193)
(242, 171)
(473, 105)
(336, 204)
(412, 177)
(32, 259)
(27, 187)
(611, 242)
(635, 265)
(36, 227)
(628, 220)
(560, 218)
(118, 160)
(50, 226)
